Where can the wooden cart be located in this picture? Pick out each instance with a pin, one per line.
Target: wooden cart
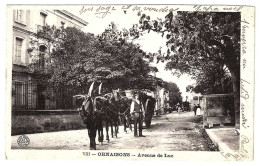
(148, 103)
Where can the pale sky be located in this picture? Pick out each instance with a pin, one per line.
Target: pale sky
(149, 42)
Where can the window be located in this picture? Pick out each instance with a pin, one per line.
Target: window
(19, 15)
(43, 19)
(19, 94)
(18, 50)
(195, 98)
(42, 50)
(62, 24)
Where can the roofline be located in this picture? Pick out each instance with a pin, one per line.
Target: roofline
(68, 14)
(217, 95)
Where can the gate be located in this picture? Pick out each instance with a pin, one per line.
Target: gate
(32, 96)
(24, 96)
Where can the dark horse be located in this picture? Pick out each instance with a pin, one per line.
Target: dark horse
(107, 113)
(112, 117)
(95, 111)
(125, 115)
(121, 105)
(89, 117)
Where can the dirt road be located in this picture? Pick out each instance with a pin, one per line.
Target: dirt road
(170, 132)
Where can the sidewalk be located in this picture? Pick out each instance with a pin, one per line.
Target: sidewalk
(225, 139)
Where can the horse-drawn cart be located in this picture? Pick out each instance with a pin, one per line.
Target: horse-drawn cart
(147, 101)
(99, 110)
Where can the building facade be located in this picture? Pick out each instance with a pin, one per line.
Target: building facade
(162, 99)
(26, 94)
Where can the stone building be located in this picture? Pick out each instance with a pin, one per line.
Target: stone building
(162, 99)
(25, 24)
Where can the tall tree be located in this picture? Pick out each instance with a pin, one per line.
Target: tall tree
(79, 58)
(214, 80)
(197, 40)
(174, 94)
(128, 57)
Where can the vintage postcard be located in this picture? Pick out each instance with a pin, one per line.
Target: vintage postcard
(136, 82)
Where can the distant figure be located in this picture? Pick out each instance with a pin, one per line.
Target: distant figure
(198, 110)
(178, 108)
(195, 109)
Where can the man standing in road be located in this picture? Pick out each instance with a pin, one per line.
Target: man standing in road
(137, 112)
(195, 109)
(179, 108)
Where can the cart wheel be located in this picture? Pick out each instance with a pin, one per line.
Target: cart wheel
(148, 122)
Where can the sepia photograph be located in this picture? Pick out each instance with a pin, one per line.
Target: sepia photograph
(130, 81)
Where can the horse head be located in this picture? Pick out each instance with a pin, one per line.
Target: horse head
(84, 105)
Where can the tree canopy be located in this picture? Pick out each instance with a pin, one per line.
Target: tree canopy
(78, 58)
(201, 44)
(195, 39)
(174, 93)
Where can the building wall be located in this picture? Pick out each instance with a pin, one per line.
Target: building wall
(161, 99)
(194, 99)
(26, 24)
(53, 17)
(21, 30)
(29, 122)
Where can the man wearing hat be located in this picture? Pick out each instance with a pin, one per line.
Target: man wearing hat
(137, 112)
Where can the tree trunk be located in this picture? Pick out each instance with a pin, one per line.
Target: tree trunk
(236, 90)
(233, 63)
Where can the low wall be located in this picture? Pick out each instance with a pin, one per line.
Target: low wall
(28, 122)
(218, 110)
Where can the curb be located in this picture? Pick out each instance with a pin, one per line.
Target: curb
(217, 142)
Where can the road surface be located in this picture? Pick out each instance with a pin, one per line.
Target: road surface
(170, 132)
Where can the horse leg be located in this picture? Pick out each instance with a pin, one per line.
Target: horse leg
(94, 139)
(124, 122)
(107, 128)
(98, 129)
(90, 140)
(115, 124)
(99, 136)
(116, 127)
(129, 123)
(118, 123)
(101, 131)
(92, 136)
(117, 131)
(102, 135)
(90, 133)
(112, 131)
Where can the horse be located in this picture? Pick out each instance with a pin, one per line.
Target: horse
(93, 114)
(101, 105)
(112, 115)
(125, 104)
(106, 113)
(89, 118)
